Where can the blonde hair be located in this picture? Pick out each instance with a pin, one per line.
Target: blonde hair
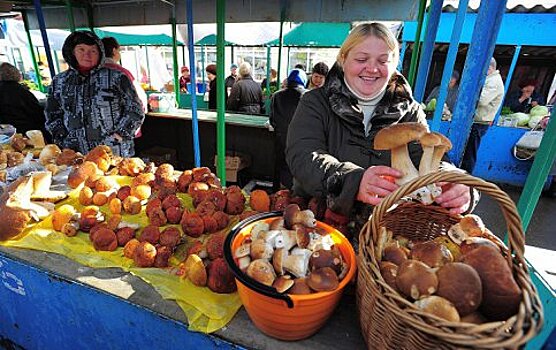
(362, 32)
(245, 69)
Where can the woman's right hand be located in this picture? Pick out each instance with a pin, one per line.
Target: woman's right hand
(377, 182)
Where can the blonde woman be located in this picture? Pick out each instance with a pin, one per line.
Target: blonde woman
(330, 139)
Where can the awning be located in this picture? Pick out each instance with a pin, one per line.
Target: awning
(138, 39)
(315, 35)
(210, 40)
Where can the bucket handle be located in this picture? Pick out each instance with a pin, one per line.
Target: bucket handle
(249, 282)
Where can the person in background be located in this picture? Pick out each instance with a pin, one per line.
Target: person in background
(452, 95)
(282, 109)
(488, 105)
(330, 142)
(89, 104)
(525, 98)
(318, 75)
(273, 82)
(113, 57)
(18, 106)
(212, 94)
(246, 95)
(44, 73)
(231, 79)
(185, 78)
(300, 66)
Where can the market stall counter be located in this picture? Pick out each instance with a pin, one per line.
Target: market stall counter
(50, 301)
(246, 134)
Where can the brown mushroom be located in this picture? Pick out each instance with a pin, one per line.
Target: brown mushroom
(472, 225)
(389, 272)
(395, 254)
(431, 253)
(416, 280)
(439, 150)
(261, 271)
(323, 280)
(283, 283)
(300, 287)
(439, 307)
(195, 270)
(278, 259)
(461, 285)
(325, 258)
(260, 249)
(294, 215)
(395, 138)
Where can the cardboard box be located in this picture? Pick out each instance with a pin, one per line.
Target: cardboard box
(235, 161)
(159, 155)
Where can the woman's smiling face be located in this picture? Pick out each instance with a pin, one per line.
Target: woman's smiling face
(368, 66)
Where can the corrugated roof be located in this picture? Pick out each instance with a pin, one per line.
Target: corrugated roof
(512, 6)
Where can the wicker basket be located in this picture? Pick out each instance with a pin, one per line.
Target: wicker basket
(389, 321)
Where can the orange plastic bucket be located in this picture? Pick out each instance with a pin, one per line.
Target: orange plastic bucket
(282, 316)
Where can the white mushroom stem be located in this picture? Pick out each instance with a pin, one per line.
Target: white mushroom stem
(425, 165)
(402, 162)
(437, 155)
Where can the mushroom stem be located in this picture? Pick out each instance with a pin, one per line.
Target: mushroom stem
(402, 162)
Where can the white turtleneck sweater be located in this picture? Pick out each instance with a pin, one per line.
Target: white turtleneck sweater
(367, 106)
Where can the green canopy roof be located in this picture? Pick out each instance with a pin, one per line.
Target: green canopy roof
(315, 34)
(210, 40)
(137, 39)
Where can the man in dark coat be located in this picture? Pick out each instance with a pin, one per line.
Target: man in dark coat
(18, 106)
(282, 109)
(246, 95)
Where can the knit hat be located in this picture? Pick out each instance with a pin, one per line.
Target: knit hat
(211, 68)
(233, 66)
(184, 69)
(297, 76)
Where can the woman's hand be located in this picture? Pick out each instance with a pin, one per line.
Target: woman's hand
(377, 182)
(455, 197)
(118, 137)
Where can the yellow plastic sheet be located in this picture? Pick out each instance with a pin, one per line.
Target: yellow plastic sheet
(206, 311)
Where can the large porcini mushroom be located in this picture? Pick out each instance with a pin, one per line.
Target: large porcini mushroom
(278, 259)
(472, 225)
(261, 271)
(416, 280)
(286, 239)
(438, 307)
(260, 249)
(460, 284)
(432, 253)
(283, 283)
(395, 139)
(297, 264)
(294, 215)
(323, 280)
(300, 287)
(428, 142)
(439, 150)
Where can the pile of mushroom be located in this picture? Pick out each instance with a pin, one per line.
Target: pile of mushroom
(292, 255)
(395, 139)
(461, 276)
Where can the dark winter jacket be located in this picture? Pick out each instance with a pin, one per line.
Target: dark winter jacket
(212, 95)
(327, 150)
(20, 108)
(282, 109)
(246, 97)
(86, 111)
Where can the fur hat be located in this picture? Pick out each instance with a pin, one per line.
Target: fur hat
(297, 76)
(211, 68)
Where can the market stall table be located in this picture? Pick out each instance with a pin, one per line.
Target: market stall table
(51, 301)
(246, 134)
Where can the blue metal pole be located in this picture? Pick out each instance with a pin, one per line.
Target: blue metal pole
(193, 74)
(428, 48)
(449, 65)
(474, 74)
(402, 54)
(508, 81)
(42, 27)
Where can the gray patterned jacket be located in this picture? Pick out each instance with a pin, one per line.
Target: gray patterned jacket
(85, 111)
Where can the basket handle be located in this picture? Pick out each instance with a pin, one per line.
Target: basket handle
(242, 277)
(513, 221)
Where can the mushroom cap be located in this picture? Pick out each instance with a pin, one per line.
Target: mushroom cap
(416, 280)
(394, 254)
(300, 287)
(322, 280)
(283, 283)
(242, 250)
(430, 139)
(397, 135)
(439, 307)
(260, 249)
(444, 141)
(460, 284)
(324, 258)
(389, 272)
(472, 225)
(289, 214)
(195, 270)
(261, 271)
(432, 253)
